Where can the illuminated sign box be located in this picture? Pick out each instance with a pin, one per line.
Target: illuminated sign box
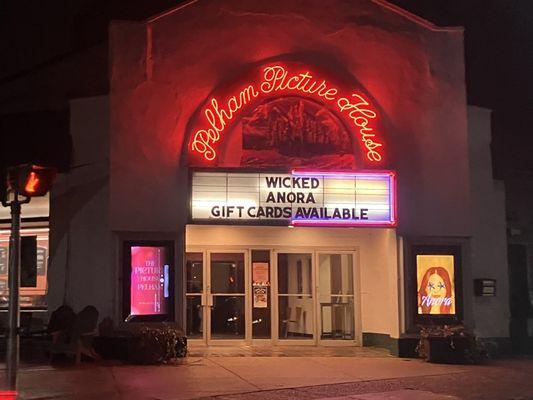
(436, 287)
(149, 291)
(298, 198)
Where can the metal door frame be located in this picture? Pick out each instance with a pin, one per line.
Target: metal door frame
(207, 302)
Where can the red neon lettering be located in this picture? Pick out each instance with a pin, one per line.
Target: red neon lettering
(361, 116)
(203, 140)
(277, 79)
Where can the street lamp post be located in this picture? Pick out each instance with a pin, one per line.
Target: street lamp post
(12, 354)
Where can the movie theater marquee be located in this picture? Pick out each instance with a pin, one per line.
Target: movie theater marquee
(298, 198)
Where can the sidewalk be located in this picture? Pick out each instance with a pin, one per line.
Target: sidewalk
(369, 377)
(397, 395)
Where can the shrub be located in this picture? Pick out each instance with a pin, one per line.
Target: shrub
(158, 345)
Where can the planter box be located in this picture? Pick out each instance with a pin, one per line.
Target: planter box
(129, 349)
(446, 350)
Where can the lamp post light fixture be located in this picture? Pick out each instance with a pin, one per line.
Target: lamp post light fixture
(19, 184)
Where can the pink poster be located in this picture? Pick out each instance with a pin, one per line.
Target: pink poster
(149, 280)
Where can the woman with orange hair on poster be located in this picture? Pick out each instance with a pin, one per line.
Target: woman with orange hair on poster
(435, 294)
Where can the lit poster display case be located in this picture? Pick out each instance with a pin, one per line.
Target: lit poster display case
(148, 278)
(436, 284)
(435, 281)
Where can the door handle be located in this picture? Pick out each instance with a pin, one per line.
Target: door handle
(207, 300)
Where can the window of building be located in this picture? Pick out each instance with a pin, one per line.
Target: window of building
(33, 268)
(262, 300)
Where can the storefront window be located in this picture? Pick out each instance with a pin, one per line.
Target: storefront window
(295, 297)
(336, 296)
(33, 268)
(262, 302)
(148, 277)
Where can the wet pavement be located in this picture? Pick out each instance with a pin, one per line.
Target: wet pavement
(282, 373)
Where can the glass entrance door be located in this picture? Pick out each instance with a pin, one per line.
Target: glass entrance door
(226, 293)
(216, 296)
(336, 300)
(295, 294)
(305, 298)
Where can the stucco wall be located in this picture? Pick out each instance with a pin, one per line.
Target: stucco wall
(163, 70)
(489, 243)
(80, 239)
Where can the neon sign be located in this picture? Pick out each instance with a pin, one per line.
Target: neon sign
(278, 79)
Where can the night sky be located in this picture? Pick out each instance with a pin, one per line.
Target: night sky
(37, 34)
(499, 70)
(498, 46)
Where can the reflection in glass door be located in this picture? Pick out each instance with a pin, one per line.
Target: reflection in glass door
(227, 293)
(295, 296)
(336, 296)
